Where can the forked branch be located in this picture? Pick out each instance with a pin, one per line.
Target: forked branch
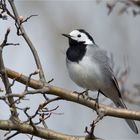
(71, 96)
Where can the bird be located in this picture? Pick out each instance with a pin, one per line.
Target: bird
(90, 68)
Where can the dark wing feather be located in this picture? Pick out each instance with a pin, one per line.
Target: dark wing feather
(105, 61)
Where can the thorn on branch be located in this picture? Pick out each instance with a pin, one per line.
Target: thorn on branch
(13, 82)
(29, 78)
(12, 44)
(50, 81)
(93, 124)
(30, 118)
(49, 101)
(4, 43)
(21, 18)
(91, 131)
(21, 21)
(101, 113)
(45, 97)
(5, 38)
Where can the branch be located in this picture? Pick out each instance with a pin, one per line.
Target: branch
(11, 136)
(130, 98)
(40, 132)
(5, 78)
(134, 5)
(27, 39)
(73, 97)
(133, 98)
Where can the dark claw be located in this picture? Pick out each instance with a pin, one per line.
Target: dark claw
(83, 94)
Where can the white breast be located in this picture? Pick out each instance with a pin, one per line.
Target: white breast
(86, 73)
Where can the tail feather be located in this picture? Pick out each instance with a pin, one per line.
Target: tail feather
(131, 123)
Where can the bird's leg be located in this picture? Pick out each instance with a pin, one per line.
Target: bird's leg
(97, 100)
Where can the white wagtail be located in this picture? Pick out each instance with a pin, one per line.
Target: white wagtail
(89, 67)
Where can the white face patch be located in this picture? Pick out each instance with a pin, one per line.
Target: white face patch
(80, 37)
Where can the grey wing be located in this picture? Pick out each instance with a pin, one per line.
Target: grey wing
(101, 57)
(105, 63)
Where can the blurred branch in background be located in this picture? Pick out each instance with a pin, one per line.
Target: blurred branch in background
(5, 79)
(122, 76)
(35, 124)
(133, 98)
(125, 6)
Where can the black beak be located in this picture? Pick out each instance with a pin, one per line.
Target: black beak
(66, 35)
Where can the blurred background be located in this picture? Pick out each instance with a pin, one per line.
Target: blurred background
(118, 34)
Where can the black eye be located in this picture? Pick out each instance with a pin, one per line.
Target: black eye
(78, 35)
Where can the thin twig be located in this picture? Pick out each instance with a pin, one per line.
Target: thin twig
(4, 43)
(42, 132)
(13, 82)
(5, 78)
(91, 131)
(22, 21)
(34, 73)
(27, 39)
(5, 38)
(13, 135)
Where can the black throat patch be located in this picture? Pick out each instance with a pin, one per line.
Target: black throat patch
(76, 50)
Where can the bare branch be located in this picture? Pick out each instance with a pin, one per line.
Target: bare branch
(71, 96)
(91, 131)
(44, 88)
(13, 82)
(134, 5)
(4, 9)
(40, 132)
(5, 38)
(34, 73)
(4, 43)
(5, 78)
(27, 39)
(22, 21)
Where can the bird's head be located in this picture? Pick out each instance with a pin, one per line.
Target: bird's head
(80, 36)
